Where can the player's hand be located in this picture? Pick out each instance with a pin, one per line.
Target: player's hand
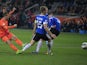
(15, 25)
(53, 36)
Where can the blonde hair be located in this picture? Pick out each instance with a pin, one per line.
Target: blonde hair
(43, 8)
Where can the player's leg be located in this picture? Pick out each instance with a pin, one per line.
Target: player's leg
(6, 39)
(56, 32)
(13, 37)
(48, 38)
(28, 45)
(51, 43)
(39, 44)
(35, 38)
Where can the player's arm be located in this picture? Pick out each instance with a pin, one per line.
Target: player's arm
(12, 11)
(52, 21)
(12, 26)
(47, 30)
(53, 24)
(7, 27)
(34, 27)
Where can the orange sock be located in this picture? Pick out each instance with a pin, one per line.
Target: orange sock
(13, 47)
(19, 42)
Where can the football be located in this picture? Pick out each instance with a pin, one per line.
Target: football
(84, 45)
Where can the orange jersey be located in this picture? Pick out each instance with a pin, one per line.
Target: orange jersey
(4, 28)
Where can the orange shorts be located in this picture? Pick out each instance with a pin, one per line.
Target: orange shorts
(7, 37)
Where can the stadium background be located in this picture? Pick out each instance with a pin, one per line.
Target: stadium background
(72, 13)
(67, 46)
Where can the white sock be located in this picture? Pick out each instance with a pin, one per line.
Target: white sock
(26, 47)
(39, 44)
(46, 42)
(51, 42)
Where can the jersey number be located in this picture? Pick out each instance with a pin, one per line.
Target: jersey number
(39, 24)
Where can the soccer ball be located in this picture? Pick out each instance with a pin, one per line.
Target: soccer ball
(84, 45)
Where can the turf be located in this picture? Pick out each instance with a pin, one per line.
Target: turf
(67, 51)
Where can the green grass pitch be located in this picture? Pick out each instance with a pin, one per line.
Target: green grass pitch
(67, 51)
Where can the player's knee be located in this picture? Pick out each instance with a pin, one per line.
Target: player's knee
(8, 42)
(5, 39)
(14, 38)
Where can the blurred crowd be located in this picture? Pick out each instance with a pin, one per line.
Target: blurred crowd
(69, 7)
(75, 25)
(27, 9)
(22, 16)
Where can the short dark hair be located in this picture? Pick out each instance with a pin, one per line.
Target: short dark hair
(4, 14)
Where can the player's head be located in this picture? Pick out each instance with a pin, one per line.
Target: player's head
(50, 13)
(43, 9)
(4, 10)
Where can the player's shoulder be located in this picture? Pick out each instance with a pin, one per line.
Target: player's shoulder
(52, 17)
(56, 19)
(2, 21)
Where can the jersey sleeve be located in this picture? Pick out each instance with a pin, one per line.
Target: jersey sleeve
(2, 24)
(57, 20)
(35, 21)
